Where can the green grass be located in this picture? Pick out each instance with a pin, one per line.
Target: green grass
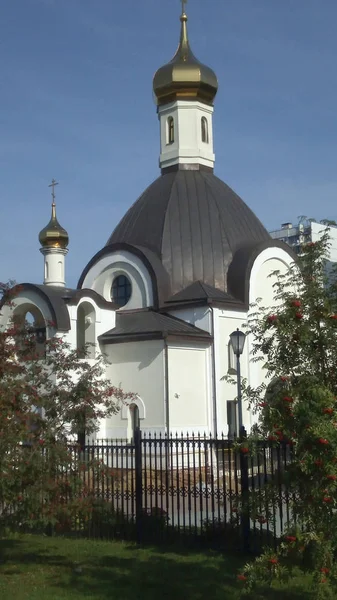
(36, 568)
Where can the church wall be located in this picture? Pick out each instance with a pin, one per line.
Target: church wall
(199, 317)
(187, 145)
(225, 322)
(138, 367)
(104, 320)
(261, 286)
(189, 388)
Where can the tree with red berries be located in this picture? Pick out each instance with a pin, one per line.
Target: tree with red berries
(48, 401)
(296, 342)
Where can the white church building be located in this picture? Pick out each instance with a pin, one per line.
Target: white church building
(174, 280)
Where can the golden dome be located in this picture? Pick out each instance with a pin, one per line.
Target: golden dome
(184, 78)
(53, 235)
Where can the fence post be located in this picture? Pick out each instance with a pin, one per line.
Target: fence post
(138, 484)
(245, 520)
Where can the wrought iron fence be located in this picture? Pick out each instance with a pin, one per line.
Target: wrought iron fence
(192, 487)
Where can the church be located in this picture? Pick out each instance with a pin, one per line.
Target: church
(175, 278)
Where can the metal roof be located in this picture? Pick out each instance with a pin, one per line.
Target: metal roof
(146, 324)
(195, 224)
(201, 291)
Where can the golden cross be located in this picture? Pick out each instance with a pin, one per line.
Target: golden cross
(183, 2)
(52, 185)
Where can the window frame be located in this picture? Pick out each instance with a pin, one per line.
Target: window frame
(170, 130)
(204, 131)
(127, 286)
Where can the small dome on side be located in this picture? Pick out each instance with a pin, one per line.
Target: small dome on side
(53, 235)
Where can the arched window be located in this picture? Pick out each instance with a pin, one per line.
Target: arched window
(204, 130)
(121, 290)
(170, 130)
(231, 360)
(30, 317)
(135, 419)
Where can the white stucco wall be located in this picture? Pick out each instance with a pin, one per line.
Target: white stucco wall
(188, 146)
(138, 367)
(199, 316)
(189, 388)
(104, 321)
(261, 286)
(225, 322)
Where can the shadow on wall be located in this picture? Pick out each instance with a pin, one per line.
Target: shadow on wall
(142, 354)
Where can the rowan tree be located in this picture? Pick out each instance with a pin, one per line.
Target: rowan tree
(50, 394)
(296, 343)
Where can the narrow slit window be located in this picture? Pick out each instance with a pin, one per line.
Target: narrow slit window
(204, 130)
(170, 130)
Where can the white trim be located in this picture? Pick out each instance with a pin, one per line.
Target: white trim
(122, 262)
(272, 253)
(125, 412)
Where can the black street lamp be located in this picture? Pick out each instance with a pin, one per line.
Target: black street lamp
(237, 339)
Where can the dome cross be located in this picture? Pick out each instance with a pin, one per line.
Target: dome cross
(52, 185)
(183, 4)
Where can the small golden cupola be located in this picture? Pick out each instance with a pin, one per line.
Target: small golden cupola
(54, 241)
(53, 235)
(184, 78)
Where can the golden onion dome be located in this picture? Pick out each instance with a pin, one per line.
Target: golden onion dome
(53, 235)
(184, 78)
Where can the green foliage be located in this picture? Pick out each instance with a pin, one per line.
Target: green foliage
(46, 399)
(296, 342)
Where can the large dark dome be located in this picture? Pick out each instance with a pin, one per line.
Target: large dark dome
(195, 224)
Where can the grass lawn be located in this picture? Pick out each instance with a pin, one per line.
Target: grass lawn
(36, 568)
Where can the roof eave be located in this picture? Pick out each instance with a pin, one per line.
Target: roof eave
(156, 335)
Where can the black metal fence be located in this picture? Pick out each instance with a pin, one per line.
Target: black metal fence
(196, 488)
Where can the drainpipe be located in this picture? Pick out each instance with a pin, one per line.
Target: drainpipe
(215, 416)
(167, 416)
(166, 389)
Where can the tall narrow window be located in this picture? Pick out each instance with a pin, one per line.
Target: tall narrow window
(170, 130)
(121, 290)
(204, 130)
(135, 421)
(232, 419)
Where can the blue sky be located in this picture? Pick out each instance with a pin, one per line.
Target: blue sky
(76, 104)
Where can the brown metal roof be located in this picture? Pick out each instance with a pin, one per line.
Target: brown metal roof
(194, 223)
(147, 324)
(201, 291)
(196, 237)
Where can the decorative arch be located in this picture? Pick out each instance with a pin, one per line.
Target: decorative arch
(140, 405)
(32, 316)
(86, 329)
(204, 130)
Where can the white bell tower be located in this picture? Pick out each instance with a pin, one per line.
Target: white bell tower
(186, 134)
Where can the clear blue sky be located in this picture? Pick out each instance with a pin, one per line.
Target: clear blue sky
(76, 104)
